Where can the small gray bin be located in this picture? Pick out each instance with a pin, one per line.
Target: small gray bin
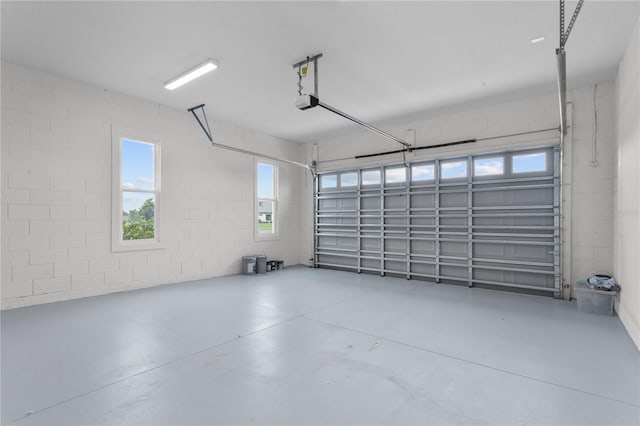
(248, 265)
(594, 301)
(261, 264)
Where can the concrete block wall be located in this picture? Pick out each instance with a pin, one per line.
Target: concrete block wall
(627, 185)
(587, 192)
(56, 193)
(592, 185)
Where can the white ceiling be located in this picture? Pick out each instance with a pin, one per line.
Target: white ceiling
(381, 59)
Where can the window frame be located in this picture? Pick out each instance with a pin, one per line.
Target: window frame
(118, 134)
(275, 235)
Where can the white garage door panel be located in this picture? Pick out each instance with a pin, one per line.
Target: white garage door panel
(495, 226)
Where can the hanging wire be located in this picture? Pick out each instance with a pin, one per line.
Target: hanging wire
(300, 80)
(302, 72)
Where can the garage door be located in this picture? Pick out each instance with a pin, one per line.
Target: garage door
(489, 220)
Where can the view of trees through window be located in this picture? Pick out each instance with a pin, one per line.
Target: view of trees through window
(137, 224)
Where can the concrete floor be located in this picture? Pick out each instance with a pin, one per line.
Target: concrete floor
(304, 346)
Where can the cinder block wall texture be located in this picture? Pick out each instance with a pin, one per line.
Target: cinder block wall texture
(56, 193)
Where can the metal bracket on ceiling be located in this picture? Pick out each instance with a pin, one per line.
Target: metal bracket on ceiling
(564, 35)
(207, 130)
(562, 65)
(303, 67)
(204, 124)
(312, 100)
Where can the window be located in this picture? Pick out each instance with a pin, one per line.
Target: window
(371, 177)
(420, 172)
(348, 179)
(395, 175)
(266, 199)
(453, 169)
(529, 163)
(136, 194)
(328, 181)
(488, 166)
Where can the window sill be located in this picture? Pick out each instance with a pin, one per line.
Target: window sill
(137, 246)
(259, 238)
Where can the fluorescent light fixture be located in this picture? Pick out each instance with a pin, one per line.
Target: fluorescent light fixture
(537, 40)
(192, 74)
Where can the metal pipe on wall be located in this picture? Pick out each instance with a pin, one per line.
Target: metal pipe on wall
(562, 91)
(594, 139)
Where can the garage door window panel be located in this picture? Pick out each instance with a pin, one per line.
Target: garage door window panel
(530, 163)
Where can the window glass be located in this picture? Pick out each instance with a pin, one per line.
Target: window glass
(265, 180)
(137, 190)
(395, 175)
(488, 166)
(265, 216)
(136, 171)
(453, 169)
(349, 179)
(138, 215)
(371, 177)
(527, 163)
(266, 199)
(328, 181)
(422, 172)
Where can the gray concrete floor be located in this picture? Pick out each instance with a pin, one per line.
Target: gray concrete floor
(304, 346)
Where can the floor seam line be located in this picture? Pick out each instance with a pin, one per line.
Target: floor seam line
(140, 373)
(471, 362)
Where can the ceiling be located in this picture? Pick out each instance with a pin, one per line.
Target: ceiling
(382, 60)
